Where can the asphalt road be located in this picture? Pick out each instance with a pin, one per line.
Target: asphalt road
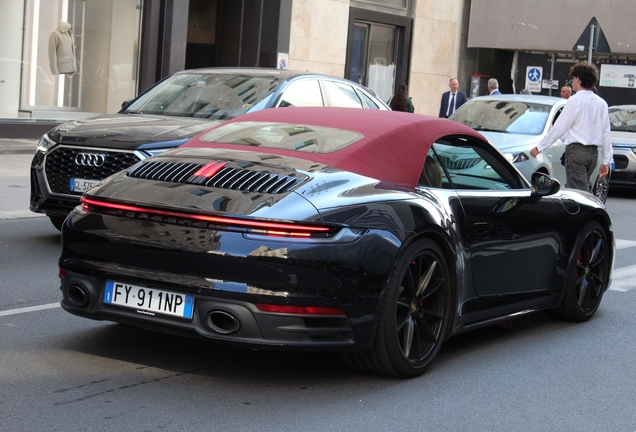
(63, 373)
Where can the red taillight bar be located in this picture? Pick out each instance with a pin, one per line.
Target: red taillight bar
(299, 310)
(273, 226)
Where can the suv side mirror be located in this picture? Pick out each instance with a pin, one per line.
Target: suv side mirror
(544, 185)
(124, 104)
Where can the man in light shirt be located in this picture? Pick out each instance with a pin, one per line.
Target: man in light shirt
(585, 124)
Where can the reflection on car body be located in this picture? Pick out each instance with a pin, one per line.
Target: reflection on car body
(370, 241)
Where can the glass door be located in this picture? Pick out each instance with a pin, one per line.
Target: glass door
(374, 57)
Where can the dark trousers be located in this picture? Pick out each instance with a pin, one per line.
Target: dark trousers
(580, 163)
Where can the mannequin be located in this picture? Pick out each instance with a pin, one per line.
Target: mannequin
(62, 50)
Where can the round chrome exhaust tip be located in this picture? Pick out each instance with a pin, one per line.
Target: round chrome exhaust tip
(78, 296)
(223, 322)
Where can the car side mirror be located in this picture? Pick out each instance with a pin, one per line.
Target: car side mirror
(124, 104)
(544, 185)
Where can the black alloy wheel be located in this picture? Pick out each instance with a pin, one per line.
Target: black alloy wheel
(588, 275)
(415, 315)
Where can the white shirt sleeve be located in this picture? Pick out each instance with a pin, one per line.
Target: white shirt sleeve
(561, 126)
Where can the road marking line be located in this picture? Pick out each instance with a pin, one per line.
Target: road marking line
(623, 279)
(29, 309)
(622, 244)
(20, 214)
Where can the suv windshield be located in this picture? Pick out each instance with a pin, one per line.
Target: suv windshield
(503, 116)
(206, 95)
(623, 119)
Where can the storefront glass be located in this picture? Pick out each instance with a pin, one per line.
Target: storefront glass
(79, 56)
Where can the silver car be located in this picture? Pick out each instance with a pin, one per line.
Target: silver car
(623, 124)
(515, 124)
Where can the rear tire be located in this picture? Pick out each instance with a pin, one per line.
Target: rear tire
(588, 275)
(57, 221)
(415, 315)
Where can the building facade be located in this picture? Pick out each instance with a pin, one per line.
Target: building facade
(121, 47)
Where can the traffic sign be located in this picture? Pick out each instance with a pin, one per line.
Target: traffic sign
(533, 78)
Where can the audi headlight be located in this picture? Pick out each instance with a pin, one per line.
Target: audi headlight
(45, 143)
(517, 157)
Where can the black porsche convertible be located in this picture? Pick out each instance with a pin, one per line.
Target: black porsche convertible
(378, 234)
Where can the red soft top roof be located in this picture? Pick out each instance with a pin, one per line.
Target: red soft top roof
(393, 149)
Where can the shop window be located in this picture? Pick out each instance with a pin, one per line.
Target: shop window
(79, 55)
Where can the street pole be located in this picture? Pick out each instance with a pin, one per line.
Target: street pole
(589, 55)
(551, 73)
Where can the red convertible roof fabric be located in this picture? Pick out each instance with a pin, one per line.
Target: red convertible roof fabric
(393, 149)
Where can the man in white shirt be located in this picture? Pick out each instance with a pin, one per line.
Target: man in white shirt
(586, 126)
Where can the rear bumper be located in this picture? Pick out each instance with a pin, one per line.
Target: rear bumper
(230, 272)
(253, 328)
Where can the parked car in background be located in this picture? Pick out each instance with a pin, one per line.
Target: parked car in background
(75, 156)
(623, 124)
(515, 124)
(333, 229)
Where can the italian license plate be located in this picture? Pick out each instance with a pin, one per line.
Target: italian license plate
(82, 185)
(148, 300)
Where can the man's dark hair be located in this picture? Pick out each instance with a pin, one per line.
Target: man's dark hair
(586, 72)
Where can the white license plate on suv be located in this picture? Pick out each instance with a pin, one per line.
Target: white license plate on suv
(149, 300)
(82, 185)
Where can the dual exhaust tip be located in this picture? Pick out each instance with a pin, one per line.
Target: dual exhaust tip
(217, 320)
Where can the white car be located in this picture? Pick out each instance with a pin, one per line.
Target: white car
(623, 124)
(515, 124)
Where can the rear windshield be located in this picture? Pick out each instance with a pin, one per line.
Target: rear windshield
(213, 96)
(504, 116)
(285, 136)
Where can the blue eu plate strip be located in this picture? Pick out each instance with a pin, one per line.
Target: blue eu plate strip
(108, 292)
(189, 304)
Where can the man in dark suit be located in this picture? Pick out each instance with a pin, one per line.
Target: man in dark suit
(451, 100)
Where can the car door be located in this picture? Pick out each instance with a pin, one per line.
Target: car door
(511, 240)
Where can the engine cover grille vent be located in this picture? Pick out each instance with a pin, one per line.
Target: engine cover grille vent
(225, 178)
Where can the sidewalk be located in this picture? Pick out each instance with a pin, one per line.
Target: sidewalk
(14, 181)
(18, 146)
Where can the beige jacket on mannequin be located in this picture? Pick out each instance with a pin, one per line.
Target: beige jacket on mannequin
(62, 50)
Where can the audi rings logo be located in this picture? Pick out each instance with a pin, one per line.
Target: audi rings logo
(90, 159)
